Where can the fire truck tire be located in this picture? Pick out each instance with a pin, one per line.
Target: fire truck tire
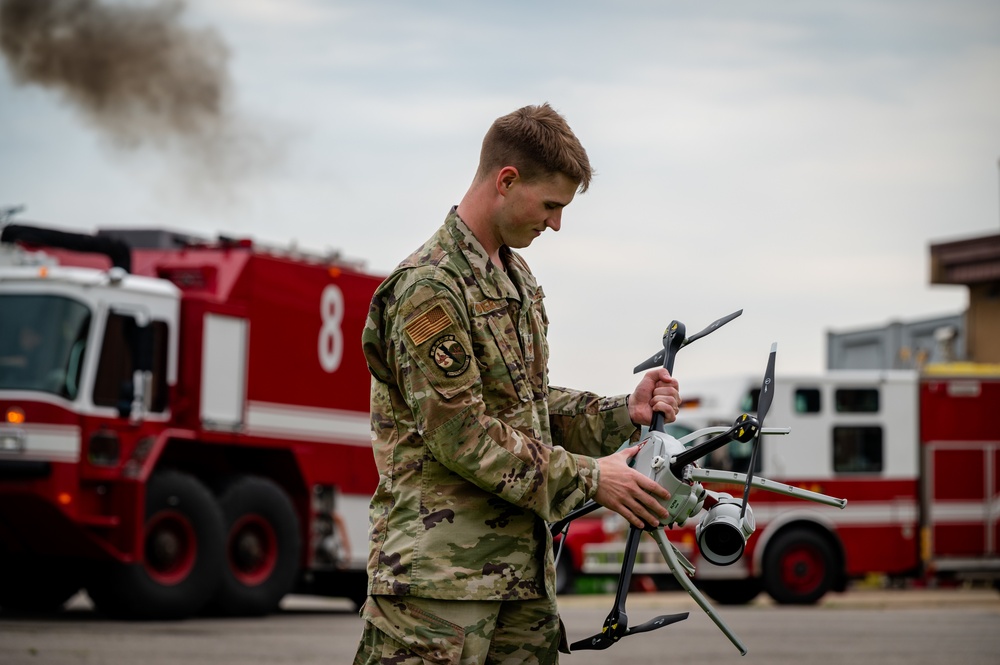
(263, 547)
(37, 585)
(731, 592)
(182, 559)
(799, 567)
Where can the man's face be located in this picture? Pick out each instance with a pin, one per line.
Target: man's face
(532, 207)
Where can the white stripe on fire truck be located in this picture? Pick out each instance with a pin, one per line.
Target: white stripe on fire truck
(50, 443)
(311, 424)
(874, 513)
(965, 511)
(858, 513)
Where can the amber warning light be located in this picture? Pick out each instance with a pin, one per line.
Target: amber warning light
(15, 416)
(12, 438)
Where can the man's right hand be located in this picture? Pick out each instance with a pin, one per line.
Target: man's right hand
(628, 492)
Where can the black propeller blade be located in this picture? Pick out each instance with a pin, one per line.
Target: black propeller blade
(763, 404)
(657, 622)
(711, 328)
(603, 641)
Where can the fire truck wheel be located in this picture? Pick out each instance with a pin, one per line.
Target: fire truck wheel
(263, 547)
(799, 567)
(731, 592)
(182, 558)
(37, 585)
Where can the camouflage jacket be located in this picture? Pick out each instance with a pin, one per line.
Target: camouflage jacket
(475, 451)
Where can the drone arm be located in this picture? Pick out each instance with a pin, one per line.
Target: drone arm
(733, 478)
(719, 429)
(695, 452)
(556, 527)
(667, 549)
(673, 340)
(616, 624)
(744, 429)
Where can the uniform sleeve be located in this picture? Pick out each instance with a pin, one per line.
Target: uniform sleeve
(588, 424)
(439, 378)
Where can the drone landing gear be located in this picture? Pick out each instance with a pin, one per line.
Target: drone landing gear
(616, 625)
(681, 572)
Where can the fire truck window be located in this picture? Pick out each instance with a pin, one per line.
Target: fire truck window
(856, 400)
(739, 457)
(857, 449)
(750, 401)
(114, 373)
(42, 341)
(807, 400)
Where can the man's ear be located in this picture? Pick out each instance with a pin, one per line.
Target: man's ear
(506, 178)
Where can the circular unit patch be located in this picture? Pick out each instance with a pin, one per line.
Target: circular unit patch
(450, 356)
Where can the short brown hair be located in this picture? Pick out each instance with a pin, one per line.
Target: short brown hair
(538, 142)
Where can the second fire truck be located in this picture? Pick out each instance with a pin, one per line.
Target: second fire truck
(917, 455)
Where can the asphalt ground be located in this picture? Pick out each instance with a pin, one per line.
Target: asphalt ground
(861, 626)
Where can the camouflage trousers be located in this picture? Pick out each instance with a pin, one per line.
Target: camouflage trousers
(406, 630)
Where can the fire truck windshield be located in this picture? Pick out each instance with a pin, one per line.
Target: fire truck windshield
(42, 342)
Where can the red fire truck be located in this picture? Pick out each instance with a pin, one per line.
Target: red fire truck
(916, 455)
(183, 423)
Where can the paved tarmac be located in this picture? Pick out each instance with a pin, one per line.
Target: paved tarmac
(860, 627)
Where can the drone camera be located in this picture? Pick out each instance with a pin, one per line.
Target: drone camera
(722, 534)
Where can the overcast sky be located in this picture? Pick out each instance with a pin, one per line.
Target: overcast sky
(792, 159)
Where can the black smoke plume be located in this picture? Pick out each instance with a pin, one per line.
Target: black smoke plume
(139, 74)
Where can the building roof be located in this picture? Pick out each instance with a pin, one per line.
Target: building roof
(970, 261)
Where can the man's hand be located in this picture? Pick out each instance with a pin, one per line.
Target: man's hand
(657, 391)
(628, 492)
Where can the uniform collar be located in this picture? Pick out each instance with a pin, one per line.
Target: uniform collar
(492, 281)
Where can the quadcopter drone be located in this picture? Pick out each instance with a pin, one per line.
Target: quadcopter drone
(723, 532)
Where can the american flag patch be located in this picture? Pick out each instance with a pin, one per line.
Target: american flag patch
(428, 324)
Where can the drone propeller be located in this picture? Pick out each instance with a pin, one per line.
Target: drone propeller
(602, 640)
(673, 341)
(763, 405)
(659, 358)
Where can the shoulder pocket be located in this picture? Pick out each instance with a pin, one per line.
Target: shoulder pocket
(440, 348)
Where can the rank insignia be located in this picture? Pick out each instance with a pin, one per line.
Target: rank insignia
(450, 356)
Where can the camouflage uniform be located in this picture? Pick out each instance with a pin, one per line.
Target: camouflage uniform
(475, 450)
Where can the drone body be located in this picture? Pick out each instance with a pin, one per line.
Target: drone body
(656, 449)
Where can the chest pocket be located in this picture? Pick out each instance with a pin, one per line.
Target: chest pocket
(498, 352)
(535, 328)
(511, 351)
